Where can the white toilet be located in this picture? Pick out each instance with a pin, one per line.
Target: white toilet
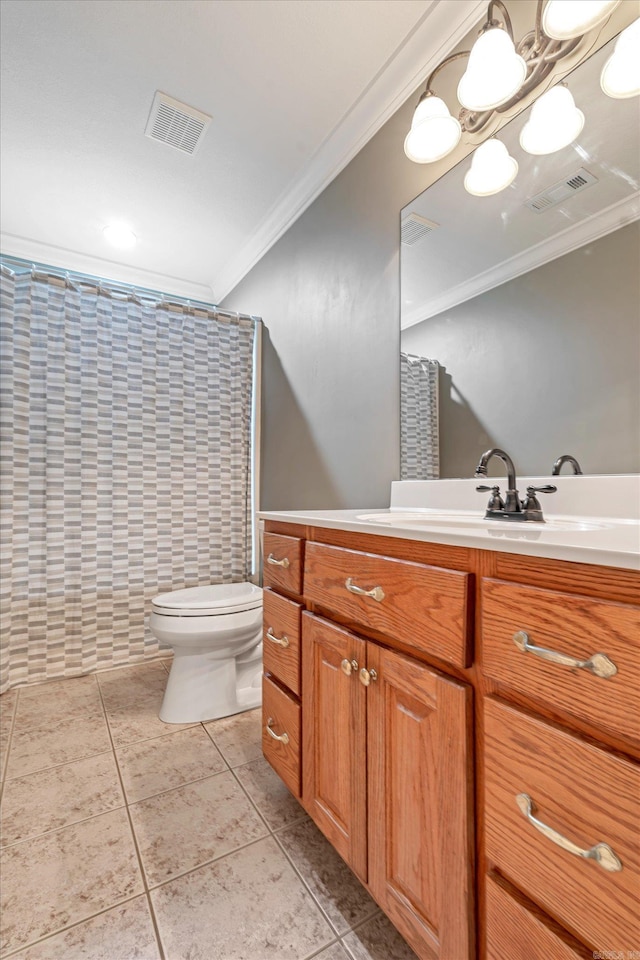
(216, 635)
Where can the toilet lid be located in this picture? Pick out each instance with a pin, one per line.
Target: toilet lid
(209, 600)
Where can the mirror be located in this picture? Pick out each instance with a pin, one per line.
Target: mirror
(529, 302)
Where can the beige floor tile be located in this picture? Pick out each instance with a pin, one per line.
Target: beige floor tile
(7, 710)
(268, 792)
(239, 738)
(337, 890)
(154, 766)
(247, 906)
(186, 827)
(59, 796)
(35, 747)
(48, 703)
(132, 699)
(66, 876)
(335, 952)
(126, 685)
(378, 939)
(123, 933)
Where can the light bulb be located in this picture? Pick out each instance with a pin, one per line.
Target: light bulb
(554, 122)
(566, 19)
(119, 235)
(620, 76)
(494, 74)
(491, 170)
(434, 132)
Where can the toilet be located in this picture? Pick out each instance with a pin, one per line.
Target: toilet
(215, 632)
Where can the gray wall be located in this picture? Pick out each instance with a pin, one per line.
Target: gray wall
(328, 292)
(548, 363)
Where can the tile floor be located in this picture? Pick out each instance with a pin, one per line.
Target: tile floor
(125, 838)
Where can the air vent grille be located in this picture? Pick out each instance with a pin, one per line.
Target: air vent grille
(176, 124)
(559, 191)
(415, 228)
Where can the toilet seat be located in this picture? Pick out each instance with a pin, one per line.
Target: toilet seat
(209, 600)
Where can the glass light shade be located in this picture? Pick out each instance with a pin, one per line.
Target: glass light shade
(566, 19)
(434, 132)
(118, 235)
(494, 74)
(620, 76)
(491, 170)
(554, 123)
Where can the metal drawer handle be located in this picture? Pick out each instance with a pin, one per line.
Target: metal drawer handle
(377, 593)
(348, 666)
(367, 676)
(283, 738)
(601, 852)
(599, 664)
(278, 563)
(281, 641)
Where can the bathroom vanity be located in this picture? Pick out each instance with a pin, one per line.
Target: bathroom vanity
(456, 705)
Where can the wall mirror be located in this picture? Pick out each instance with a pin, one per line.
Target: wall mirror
(529, 302)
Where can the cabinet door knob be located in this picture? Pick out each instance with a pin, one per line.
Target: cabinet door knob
(598, 664)
(601, 852)
(367, 676)
(281, 641)
(376, 593)
(278, 563)
(283, 737)
(348, 666)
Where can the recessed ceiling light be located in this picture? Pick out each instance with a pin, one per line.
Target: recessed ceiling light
(120, 236)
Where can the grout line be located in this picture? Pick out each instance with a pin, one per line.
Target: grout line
(56, 766)
(5, 764)
(64, 826)
(143, 875)
(207, 863)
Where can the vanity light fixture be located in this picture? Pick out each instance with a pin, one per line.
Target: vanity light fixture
(491, 170)
(620, 76)
(554, 122)
(120, 236)
(501, 71)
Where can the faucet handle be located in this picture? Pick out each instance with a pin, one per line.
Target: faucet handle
(547, 488)
(495, 501)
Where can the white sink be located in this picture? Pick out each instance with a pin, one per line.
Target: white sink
(456, 521)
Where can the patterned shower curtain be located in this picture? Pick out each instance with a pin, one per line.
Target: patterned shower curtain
(125, 469)
(419, 441)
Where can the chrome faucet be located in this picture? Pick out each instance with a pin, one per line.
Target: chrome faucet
(512, 508)
(566, 458)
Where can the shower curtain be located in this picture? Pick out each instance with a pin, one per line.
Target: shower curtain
(419, 449)
(125, 427)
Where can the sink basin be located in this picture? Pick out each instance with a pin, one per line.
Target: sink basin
(460, 521)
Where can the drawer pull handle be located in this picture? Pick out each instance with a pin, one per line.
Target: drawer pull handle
(348, 666)
(281, 641)
(283, 738)
(376, 593)
(278, 563)
(601, 852)
(599, 664)
(367, 676)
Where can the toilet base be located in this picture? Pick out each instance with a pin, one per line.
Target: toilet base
(203, 687)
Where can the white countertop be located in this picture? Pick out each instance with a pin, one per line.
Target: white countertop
(430, 511)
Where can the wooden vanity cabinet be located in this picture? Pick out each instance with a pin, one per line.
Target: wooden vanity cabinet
(423, 721)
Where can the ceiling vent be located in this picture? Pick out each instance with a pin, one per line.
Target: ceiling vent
(555, 194)
(176, 124)
(415, 228)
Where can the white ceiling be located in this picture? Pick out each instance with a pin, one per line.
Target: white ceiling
(295, 89)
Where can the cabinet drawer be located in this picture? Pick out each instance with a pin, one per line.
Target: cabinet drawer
(580, 792)
(514, 932)
(283, 562)
(576, 627)
(281, 719)
(426, 607)
(281, 639)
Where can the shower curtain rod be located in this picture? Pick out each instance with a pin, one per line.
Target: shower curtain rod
(117, 286)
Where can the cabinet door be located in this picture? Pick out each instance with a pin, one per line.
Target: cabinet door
(334, 730)
(420, 804)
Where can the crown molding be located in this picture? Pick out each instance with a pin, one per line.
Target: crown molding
(441, 28)
(53, 256)
(577, 235)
